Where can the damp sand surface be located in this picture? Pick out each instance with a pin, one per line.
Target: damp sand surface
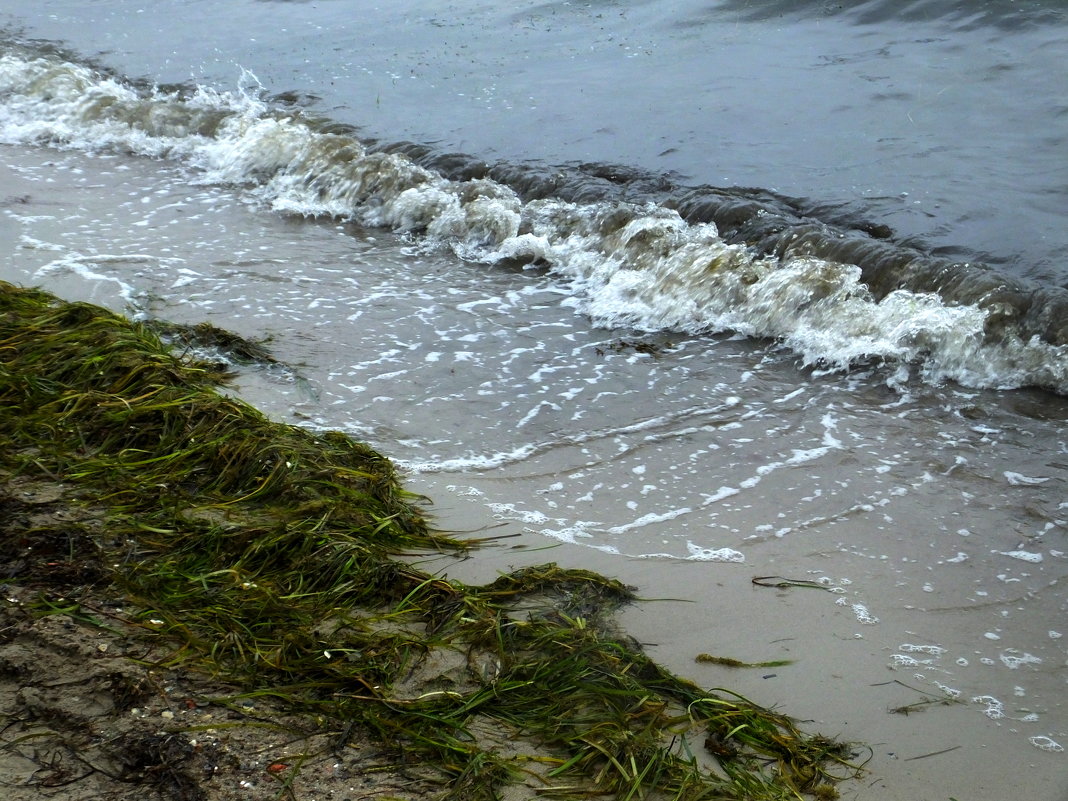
(91, 720)
(686, 466)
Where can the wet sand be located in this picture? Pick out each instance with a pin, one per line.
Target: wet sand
(841, 683)
(841, 680)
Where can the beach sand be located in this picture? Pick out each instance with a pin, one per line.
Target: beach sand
(842, 683)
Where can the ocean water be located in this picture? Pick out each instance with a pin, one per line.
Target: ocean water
(508, 247)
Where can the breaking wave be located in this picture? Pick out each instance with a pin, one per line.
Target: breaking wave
(633, 249)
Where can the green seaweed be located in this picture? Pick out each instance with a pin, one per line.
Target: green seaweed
(726, 661)
(269, 556)
(205, 336)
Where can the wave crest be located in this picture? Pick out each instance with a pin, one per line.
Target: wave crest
(837, 298)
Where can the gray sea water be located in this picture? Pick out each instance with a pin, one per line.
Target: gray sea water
(506, 245)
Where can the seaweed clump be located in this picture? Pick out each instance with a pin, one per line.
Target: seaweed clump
(266, 556)
(230, 347)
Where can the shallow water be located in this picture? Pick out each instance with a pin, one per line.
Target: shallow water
(936, 517)
(686, 389)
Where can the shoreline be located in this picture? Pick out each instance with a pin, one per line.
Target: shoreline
(844, 686)
(189, 526)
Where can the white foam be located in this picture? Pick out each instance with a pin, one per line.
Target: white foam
(933, 650)
(1045, 743)
(650, 519)
(862, 613)
(29, 242)
(508, 511)
(1020, 480)
(994, 709)
(950, 692)
(700, 554)
(1012, 659)
(570, 534)
(479, 462)
(82, 266)
(465, 492)
(1023, 556)
(903, 661)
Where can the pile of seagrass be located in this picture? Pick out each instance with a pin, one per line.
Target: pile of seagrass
(269, 553)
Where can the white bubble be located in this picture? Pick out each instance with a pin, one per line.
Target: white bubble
(934, 650)
(863, 615)
(699, 554)
(995, 710)
(951, 692)
(1023, 556)
(1019, 479)
(1044, 743)
(902, 661)
(1012, 659)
